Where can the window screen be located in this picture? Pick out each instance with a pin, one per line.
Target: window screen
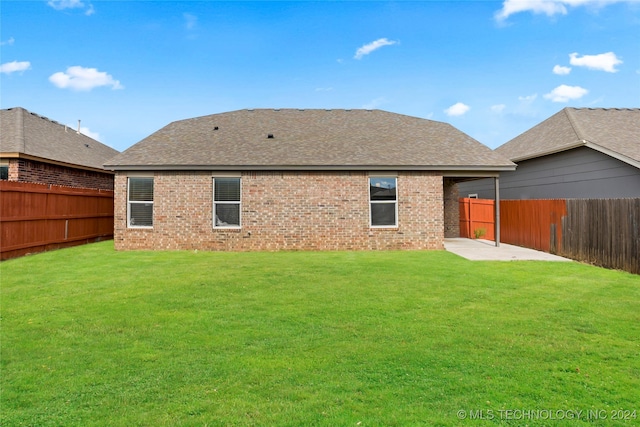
(226, 202)
(140, 212)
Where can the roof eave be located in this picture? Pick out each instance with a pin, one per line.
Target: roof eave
(614, 154)
(581, 143)
(14, 155)
(447, 168)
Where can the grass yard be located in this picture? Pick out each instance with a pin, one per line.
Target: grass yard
(90, 336)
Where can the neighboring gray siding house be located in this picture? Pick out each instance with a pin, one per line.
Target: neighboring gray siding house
(576, 153)
(36, 149)
(296, 180)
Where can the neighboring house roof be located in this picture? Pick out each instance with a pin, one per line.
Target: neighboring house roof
(28, 135)
(612, 131)
(309, 139)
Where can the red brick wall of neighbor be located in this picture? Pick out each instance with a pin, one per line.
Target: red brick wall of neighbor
(44, 173)
(284, 211)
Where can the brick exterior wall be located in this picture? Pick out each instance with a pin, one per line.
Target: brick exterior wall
(45, 173)
(284, 211)
(451, 209)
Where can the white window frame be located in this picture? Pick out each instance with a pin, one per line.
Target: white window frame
(372, 202)
(239, 203)
(130, 202)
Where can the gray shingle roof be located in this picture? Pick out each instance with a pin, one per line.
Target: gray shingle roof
(26, 133)
(309, 139)
(613, 131)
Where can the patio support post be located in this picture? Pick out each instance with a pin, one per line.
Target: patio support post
(496, 184)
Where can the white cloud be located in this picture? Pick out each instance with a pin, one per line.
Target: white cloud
(603, 62)
(12, 67)
(499, 108)
(65, 4)
(86, 131)
(548, 7)
(597, 101)
(190, 21)
(84, 79)
(324, 89)
(368, 48)
(8, 42)
(457, 109)
(528, 98)
(564, 93)
(561, 71)
(526, 106)
(373, 104)
(72, 4)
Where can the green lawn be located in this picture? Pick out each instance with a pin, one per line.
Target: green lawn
(90, 336)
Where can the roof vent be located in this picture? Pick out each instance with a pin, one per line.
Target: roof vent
(216, 128)
(270, 136)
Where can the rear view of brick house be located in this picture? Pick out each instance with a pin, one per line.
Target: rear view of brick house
(295, 180)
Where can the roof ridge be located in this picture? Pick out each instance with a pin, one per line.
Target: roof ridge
(21, 111)
(574, 124)
(606, 108)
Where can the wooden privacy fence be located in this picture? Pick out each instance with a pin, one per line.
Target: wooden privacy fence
(535, 224)
(39, 217)
(604, 232)
(477, 218)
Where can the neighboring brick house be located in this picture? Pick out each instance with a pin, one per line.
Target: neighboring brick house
(36, 149)
(295, 180)
(579, 153)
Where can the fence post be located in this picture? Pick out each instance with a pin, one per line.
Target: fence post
(496, 222)
(470, 222)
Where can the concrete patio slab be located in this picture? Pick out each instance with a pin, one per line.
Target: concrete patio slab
(485, 250)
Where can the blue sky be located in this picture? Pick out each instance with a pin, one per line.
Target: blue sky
(493, 69)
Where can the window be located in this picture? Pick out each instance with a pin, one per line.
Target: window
(4, 171)
(384, 202)
(140, 202)
(226, 202)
